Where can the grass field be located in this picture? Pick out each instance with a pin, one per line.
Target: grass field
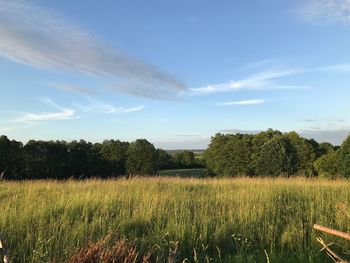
(217, 220)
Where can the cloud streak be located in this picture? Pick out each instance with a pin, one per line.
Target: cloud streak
(326, 10)
(242, 102)
(264, 80)
(99, 106)
(38, 37)
(73, 88)
(60, 114)
(268, 79)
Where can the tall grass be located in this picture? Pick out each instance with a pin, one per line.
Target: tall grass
(221, 220)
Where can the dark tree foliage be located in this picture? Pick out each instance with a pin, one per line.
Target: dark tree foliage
(10, 158)
(113, 154)
(277, 157)
(327, 165)
(141, 158)
(269, 153)
(165, 160)
(344, 158)
(229, 155)
(184, 159)
(304, 154)
(79, 159)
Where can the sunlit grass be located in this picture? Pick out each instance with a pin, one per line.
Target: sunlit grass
(226, 220)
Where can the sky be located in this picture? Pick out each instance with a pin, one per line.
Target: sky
(173, 72)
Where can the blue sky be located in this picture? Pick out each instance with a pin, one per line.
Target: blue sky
(173, 72)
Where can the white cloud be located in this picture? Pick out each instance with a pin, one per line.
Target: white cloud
(60, 114)
(99, 106)
(326, 10)
(243, 102)
(40, 38)
(260, 81)
(64, 114)
(132, 109)
(266, 80)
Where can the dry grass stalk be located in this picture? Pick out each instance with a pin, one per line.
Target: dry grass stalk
(330, 252)
(3, 250)
(332, 232)
(101, 252)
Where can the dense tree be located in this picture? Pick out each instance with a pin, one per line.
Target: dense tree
(305, 155)
(141, 158)
(257, 141)
(320, 149)
(344, 158)
(165, 160)
(228, 155)
(80, 159)
(327, 165)
(11, 163)
(184, 159)
(268, 153)
(277, 157)
(113, 152)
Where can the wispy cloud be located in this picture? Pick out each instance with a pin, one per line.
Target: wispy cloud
(41, 38)
(73, 88)
(264, 80)
(269, 79)
(60, 114)
(99, 106)
(64, 114)
(326, 10)
(243, 102)
(132, 109)
(334, 68)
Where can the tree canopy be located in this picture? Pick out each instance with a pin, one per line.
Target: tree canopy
(268, 153)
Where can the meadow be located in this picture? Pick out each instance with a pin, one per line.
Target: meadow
(201, 220)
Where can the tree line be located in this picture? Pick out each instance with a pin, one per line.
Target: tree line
(268, 153)
(81, 159)
(273, 153)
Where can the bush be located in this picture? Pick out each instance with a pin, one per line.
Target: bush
(344, 158)
(327, 165)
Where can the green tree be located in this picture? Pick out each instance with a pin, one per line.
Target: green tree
(10, 158)
(142, 158)
(305, 155)
(184, 159)
(165, 160)
(277, 157)
(327, 165)
(257, 142)
(80, 159)
(344, 158)
(113, 152)
(229, 155)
